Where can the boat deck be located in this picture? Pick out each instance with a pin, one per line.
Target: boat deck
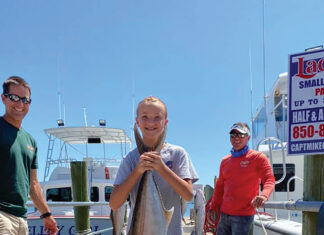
(189, 227)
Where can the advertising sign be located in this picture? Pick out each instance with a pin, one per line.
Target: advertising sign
(306, 103)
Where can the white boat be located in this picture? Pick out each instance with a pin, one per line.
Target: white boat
(102, 172)
(269, 135)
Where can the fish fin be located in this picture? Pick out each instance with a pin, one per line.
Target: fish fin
(117, 218)
(168, 215)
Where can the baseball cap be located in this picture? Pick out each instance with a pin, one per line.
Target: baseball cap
(240, 128)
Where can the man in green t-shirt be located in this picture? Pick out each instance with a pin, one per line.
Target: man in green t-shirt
(18, 163)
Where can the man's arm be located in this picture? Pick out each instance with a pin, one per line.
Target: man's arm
(268, 181)
(39, 202)
(267, 177)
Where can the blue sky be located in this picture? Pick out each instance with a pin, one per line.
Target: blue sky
(194, 55)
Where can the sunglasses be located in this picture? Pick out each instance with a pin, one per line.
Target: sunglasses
(240, 135)
(16, 98)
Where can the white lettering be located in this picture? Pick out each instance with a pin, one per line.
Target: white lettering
(320, 115)
(301, 116)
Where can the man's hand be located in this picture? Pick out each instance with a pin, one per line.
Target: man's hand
(258, 201)
(50, 225)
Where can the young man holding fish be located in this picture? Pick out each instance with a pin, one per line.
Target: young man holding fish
(170, 165)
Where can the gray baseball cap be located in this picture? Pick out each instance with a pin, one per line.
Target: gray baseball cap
(240, 128)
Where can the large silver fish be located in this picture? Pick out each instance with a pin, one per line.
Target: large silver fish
(150, 217)
(199, 202)
(118, 218)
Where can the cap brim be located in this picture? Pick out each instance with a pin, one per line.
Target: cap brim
(239, 130)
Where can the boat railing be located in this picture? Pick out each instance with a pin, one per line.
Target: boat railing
(61, 161)
(299, 205)
(282, 102)
(102, 161)
(280, 116)
(288, 191)
(269, 140)
(64, 204)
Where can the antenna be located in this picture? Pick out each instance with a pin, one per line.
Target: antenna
(59, 88)
(264, 83)
(85, 117)
(64, 113)
(133, 104)
(251, 78)
(133, 112)
(59, 103)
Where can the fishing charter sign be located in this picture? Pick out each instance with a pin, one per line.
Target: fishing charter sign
(306, 103)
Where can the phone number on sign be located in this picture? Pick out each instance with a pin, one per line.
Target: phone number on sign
(307, 131)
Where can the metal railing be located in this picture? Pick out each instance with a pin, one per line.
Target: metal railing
(288, 184)
(59, 204)
(269, 140)
(299, 205)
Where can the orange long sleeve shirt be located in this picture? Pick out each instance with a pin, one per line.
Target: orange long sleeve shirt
(239, 182)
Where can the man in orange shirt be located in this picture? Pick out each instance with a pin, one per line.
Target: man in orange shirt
(236, 194)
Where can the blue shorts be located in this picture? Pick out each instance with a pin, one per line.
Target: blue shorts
(232, 224)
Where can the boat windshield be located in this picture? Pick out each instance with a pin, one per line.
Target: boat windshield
(64, 194)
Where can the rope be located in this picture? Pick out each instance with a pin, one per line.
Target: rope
(263, 228)
(211, 219)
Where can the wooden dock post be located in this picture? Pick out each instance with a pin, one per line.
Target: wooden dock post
(79, 176)
(313, 189)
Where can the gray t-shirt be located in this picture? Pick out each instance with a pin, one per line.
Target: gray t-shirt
(176, 158)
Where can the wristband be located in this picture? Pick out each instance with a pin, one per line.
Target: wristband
(45, 215)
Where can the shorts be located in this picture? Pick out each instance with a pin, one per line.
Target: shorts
(12, 225)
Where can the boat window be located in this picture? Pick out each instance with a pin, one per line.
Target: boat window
(108, 191)
(94, 194)
(290, 172)
(59, 194)
(279, 111)
(258, 124)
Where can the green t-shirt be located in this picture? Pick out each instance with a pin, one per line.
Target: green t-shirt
(18, 155)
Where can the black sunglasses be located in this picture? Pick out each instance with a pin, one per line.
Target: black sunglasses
(16, 98)
(240, 135)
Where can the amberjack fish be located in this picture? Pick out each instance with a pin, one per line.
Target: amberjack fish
(118, 218)
(199, 205)
(150, 217)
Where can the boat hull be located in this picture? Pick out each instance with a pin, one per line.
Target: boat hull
(66, 225)
(276, 227)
